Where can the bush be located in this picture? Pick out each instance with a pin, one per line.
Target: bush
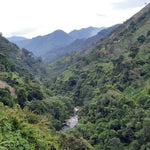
(22, 96)
(5, 97)
(148, 33)
(141, 39)
(4, 63)
(134, 51)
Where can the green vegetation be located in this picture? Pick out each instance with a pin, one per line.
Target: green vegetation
(110, 81)
(24, 130)
(4, 63)
(5, 97)
(21, 129)
(23, 90)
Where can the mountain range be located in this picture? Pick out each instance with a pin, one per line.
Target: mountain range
(77, 45)
(56, 45)
(110, 81)
(85, 33)
(41, 44)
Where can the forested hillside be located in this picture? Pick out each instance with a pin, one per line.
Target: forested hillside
(21, 91)
(110, 81)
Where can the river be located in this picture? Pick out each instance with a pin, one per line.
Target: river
(73, 121)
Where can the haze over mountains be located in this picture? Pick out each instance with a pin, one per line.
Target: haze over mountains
(85, 33)
(16, 38)
(42, 44)
(57, 44)
(77, 45)
(110, 81)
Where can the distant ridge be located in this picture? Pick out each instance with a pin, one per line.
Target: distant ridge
(77, 45)
(16, 38)
(40, 45)
(85, 33)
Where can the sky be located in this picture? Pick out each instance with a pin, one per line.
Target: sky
(30, 18)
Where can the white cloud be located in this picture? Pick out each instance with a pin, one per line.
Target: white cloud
(127, 4)
(26, 31)
(45, 16)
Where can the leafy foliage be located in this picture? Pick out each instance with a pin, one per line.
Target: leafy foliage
(20, 129)
(110, 81)
(4, 63)
(5, 97)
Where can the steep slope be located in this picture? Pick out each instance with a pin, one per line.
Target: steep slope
(26, 75)
(19, 127)
(23, 60)
(85, 33)
(77, 45)
(110, 81)
(92, 40)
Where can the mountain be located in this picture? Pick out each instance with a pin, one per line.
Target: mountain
(21, 91)
(41, 44)
(59, 53)
(110, 82)
(22, 61)
(77, 45)
(85, 33)
(92, 40)
(16, 38)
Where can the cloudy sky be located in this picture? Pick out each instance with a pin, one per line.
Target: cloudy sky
(31, 18)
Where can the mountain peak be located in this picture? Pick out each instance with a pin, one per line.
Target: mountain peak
(59, 32)
(85, 33)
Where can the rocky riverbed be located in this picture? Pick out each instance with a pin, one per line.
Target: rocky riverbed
(73, 121)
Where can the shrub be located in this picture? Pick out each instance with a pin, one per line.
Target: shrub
(141, 39)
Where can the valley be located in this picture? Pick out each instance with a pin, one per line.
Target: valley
(83, 92)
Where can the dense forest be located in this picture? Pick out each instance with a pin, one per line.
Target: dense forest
(109, 81)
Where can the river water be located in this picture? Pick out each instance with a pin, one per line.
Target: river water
(73, 121)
